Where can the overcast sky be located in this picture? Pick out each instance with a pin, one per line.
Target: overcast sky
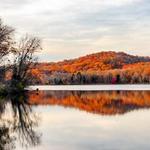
(72, 28)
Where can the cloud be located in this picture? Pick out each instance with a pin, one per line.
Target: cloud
(78, 27)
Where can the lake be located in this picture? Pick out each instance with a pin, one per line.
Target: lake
(76, 120)
(105, 87)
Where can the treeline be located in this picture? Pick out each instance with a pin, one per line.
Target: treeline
(99, 68)
(138, 73)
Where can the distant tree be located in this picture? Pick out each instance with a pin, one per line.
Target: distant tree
(94, 78)
(83, 79)
(72, 78)
(118, 78)
(79, 77)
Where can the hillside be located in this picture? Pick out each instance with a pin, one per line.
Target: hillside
(102, 64)
(95, 62)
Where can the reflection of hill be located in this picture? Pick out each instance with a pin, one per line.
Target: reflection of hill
(107, 103)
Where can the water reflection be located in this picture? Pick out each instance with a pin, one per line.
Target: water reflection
(6, 141)
(17, 122)
(102, 102)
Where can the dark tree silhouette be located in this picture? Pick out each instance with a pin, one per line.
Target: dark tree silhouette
(5, 39)
(24, 61)
(6, 46)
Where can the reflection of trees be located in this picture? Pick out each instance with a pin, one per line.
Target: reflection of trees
(24, 120)
(100, 102)
(21, 124)
(6, 141)
(2, 106)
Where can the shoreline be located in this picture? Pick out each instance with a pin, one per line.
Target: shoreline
(110, 87)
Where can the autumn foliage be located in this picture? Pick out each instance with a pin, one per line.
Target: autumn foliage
(99, 102)
(103, 67)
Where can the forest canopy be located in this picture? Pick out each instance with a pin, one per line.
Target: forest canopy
(99, 68)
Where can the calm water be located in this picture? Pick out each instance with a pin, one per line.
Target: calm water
(103, 87)
(75, 120)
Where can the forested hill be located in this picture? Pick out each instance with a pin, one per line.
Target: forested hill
(94, 62)
(98, 68)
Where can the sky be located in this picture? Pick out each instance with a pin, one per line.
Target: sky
(72, 28)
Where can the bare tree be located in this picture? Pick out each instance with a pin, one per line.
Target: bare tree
(6, 47)
(25, 60)
(5, 39)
